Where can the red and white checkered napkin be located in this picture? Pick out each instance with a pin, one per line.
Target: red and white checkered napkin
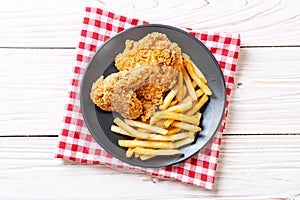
(77, 144)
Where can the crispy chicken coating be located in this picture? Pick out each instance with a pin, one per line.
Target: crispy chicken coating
(102, 89)
(148, 69)
(153, 49)
(149, 83)
(101, 95)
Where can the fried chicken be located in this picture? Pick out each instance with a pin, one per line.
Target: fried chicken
(146, 83)
(148, 69)
(132, 93)
(102, 89)
(101, 95)
(153, 49)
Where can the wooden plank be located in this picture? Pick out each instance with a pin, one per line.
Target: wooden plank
(40, 23)
(266, 96)
(55, 23)
(250, 167)
(33, 87)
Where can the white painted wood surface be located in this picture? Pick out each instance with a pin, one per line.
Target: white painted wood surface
(55, 23)
(252, 167)
(260, 153)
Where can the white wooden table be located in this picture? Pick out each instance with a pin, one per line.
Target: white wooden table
(260, 153)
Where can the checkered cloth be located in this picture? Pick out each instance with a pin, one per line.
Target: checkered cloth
(77, 144)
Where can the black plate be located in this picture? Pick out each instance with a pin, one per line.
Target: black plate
(98, 122)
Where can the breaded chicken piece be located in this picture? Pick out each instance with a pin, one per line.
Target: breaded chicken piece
(153, 49)
(102, 89)
(148, 109)
(149, 83)
(101, 95)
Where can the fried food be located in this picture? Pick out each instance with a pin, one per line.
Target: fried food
(102, 89)
(150, 136)
(148, 70)
(134, 93)
(142, 125)
(145, 86)
(155, 48)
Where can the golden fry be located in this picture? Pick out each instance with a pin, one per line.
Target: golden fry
(184, 142)
(172, 115)
(196, 69)
(150, 136)
(173, 131)
(198, 105)
(146, 157)
(168, 122)
(173, 137)
(132, 132)
(159, 124)
(144, 130)
(199, 93)
(186, 126)
(129, 152)
(146, 144)
(194, 84)
(117, 129)
(162, 152)
(173, 103)
(136, 155)
(189, 85)
(184, 91)
(199, 82)
(138, 124)
(180, 86)
(177, 144)
(168, 99)
(185, 105)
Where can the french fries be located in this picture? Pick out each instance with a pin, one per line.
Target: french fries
(168, 99)
(180, 87)
(142, 125)
(184, 142)
(186, 126)
(194, 84)
(130, 130)
(198, 105)
(146, 144)
(173, 130)
(180, 108)
(157, 152)
(129, 152)
(132, 144)
(154, 137)
(173, 115)
(173, 103)
(189, 85)
(174, 124)
(168, 122)
(197, 77)
(196, 69)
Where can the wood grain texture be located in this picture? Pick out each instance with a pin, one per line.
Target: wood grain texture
(266, 95)
(33, 87)
(265, 99)
(250, 167)
(42, 23)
